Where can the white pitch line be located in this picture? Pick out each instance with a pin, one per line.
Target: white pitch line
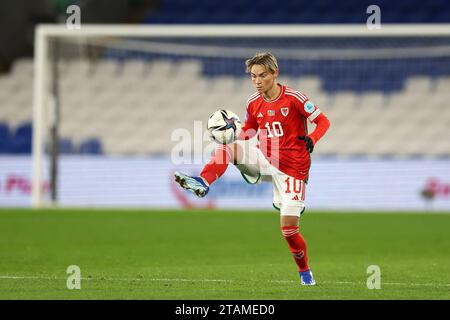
(159, 279)
(216, 280)
(114, 279)
(363, 283)
(30, 277)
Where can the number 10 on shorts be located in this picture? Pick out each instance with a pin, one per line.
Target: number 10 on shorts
(296, 186)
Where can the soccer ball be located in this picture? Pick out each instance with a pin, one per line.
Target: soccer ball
(224, 126)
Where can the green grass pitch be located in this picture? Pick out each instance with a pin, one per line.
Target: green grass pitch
(199, 254)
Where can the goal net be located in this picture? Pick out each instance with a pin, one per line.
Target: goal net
(118, 108)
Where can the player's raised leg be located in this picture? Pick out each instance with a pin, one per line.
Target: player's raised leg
(212, 171)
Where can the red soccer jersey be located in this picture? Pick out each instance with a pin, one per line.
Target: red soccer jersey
(280, 122)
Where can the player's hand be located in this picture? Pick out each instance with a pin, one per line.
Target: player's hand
(309, 143)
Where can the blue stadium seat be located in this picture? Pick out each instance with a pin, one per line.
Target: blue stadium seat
(22, 139)
(24, 130)
(4, 131)
(20, 146)
(5, 147)
(4, 138)
(66, 146)
(91, 146)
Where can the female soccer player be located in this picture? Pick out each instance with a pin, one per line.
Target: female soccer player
(279, 114)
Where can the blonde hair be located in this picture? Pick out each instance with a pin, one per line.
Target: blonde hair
(265, 59)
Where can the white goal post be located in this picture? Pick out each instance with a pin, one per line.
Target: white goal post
(45, 33)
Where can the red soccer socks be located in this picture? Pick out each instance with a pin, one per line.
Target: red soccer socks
(297, 246)
(218, 164)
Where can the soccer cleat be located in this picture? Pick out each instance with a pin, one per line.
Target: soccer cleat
(194, 184)
(307, 278)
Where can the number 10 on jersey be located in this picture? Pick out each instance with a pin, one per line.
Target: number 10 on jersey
(275, 131)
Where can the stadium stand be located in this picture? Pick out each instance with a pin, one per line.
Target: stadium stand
(319, 11)
(114, 96)
(141, 123)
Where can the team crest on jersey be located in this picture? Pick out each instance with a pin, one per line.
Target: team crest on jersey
(270, 112)
(284, 111)
(309, 106)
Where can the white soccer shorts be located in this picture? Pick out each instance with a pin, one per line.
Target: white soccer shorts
(288, 192)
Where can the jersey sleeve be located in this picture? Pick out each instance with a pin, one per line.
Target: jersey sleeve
(322, 126)
(250, 125)
(306, 107)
